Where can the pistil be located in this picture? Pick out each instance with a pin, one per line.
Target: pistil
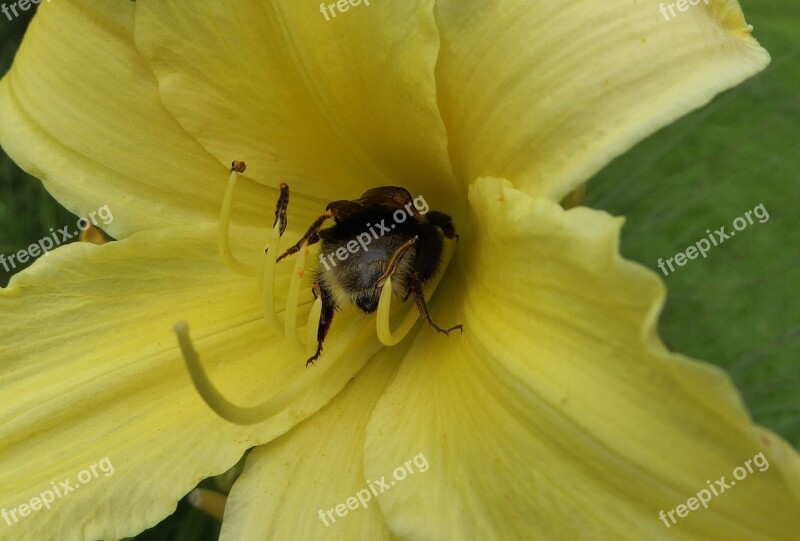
(224, 224)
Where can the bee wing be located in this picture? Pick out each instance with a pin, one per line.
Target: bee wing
(392, 197)
(387, 197)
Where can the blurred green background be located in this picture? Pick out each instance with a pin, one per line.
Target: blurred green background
(737, 309)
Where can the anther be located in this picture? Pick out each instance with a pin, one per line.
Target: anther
(271, 261)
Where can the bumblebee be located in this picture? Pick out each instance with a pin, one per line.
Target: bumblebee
(374, 237)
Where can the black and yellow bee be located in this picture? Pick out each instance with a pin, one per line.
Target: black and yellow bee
(354, 270)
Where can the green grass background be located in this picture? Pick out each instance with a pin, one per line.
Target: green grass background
(737, 309)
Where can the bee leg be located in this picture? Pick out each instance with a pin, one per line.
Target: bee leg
(325, 320)
(416, 287)
(443, 222)
(311, 234)
(394, 262)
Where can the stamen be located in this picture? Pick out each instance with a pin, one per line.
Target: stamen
(290, 321)
(383, 318)
(385, 335)
(268, 285)
(305, 381)
(313, 323)
(224, 221)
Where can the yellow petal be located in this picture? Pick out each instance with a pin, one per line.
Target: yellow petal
(291, 488)
(80, 110)
(331, 107)
(558, 414)
(546, 93)
(89, 368)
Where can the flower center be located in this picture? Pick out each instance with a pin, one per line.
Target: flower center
(266, 270)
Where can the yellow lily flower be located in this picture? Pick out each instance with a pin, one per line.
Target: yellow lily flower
(558, 414)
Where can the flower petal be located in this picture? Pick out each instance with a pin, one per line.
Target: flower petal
(80, 110)
(558, 414)
(289, 485)
(547, 93)
(331, 107)
(89, 368)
